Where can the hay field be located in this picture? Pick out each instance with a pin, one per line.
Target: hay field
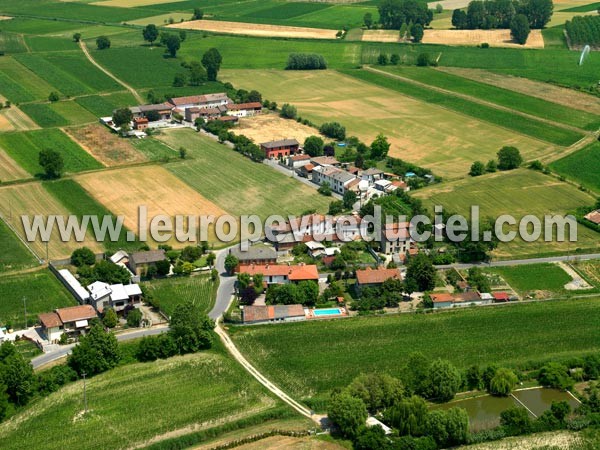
(545, 91)
(32, 199)
(9, 169)
(518, 193)
(132, 3)
(122, 190)
(381, 36)
(255, 29)
(496, 38)
(105, 146)
(444, 141)
(270, 127)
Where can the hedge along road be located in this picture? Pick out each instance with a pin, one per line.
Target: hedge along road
(86, 52)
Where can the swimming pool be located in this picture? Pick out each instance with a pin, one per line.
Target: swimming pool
(327, 312)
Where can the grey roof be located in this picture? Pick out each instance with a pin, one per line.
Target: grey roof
(281, 143)
(342, 176)
(151, 256)
(285, 311)
(372, 171)
(157, 107)
(256, 252)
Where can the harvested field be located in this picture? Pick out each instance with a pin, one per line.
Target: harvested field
(9, 169)
(122, 191)
(271, 127)
(132, 3)
(426, 134)
(449, 4)
(255, 29)
(105, 146)
(381, 36)
(496, 38)
(32, 199)
(546, 91)
(290, 443)
(13, 119)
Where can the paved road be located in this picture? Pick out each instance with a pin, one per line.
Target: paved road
(65, 350)
(226, 286)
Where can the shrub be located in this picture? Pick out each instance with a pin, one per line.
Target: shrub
(288, 111)
(333, 130)
(305, 61)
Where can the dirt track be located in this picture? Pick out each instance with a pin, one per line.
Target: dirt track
(254, 29)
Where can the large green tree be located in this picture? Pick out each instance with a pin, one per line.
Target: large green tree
(509, 158)
(52, 162)
(519, 29)
(422, 272)
(444, 380)
(150, 33)
(348, 413)
(97, 352)
(211, 60)
(190, 328)
(313, 146)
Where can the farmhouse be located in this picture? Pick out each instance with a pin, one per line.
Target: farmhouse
(162, 109)
(52, 326)
(193, 113)
(245, 109)
(282, 274)
(373, 278)
(298, 161)
(73, 320)
(201, 101)
(256, 254)
(279, 149)
(140, 261)
(272, 313)
(339, 180)
(395, 238)
(140, 123)
(593, 217)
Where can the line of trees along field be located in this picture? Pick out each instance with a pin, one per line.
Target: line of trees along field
(584, 30)
(493, 14)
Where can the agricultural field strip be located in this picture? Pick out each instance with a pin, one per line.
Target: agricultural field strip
(503, 118)
(439, 85)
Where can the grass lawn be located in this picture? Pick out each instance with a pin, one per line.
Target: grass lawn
(533, 277)
(503, 97)
(173, 397)
(236, 184)
(170, 292)
(25, 147)
(311, 358)
(426, 134)
(42, 291)
(518, 193)
(13, 254)
(506, 119)
(583, 166)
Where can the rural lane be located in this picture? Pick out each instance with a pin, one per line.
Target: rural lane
(87, 54)
(226, 286)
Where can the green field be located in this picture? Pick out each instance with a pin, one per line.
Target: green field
(583, 8)
(25, 147)
(73, 113)
(180, 395)
(426, 134)
(518, 193)
(11, 43)
(13, 254)
(104, 105)
(312, 358)
(154, 150)
(19, 84)
(42, 293)
(533, 277)
(236, 184)
(582, 166)
(199, 289)
(520, 124)
(44, 115)
(77, 201)
(503, 97)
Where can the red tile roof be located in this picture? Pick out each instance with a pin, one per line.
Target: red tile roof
(378, 276)
(593, 217)
(73, 313)
(501, 296)
(442, 298)
(253, 105)
(50, 320)
(293, 273)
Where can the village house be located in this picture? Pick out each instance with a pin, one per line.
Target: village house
(193, 113)
(280, 149)
(114, 296)
(593, 217)
(374, 278)
(316, 249)
(230, 119)
(140, 261)
(395, 238)
(245, 109)
(256, 254)
(460, 299)
(163, 110)
(273, 313)
(73, 320)
(325, 161)
(201, 101)
(52, 326)
(339, 180)
(140, 123)
(298, 161)
(371, 175)
(282, 274)
(306, 171)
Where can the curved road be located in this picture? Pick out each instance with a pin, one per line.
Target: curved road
(226, 286)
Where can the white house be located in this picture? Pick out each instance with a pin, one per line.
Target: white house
(115, 296)
(201, 101)
(339, 180)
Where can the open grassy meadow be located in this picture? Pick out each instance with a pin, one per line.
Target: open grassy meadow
(13, 254)
(142, 404)
(518, 193)
(582, 166)
(235, 183)
(534, 277)
(33, 199)
(423, 133)
(170, 292)
(123, 191)
(25, 147)
(42, 293)
(312, 358)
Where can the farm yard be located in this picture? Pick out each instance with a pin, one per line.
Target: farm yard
(168, 293)
(237, 184)
(122, 191)
(42, 293)
(518, 193)
(380, 344)
(367, 109)
(200, 391)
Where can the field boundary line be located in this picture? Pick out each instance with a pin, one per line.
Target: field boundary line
(87, 54)
(482, 102)
(237, 355)
(9, 225)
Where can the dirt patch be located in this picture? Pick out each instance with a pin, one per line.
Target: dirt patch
(255, 29)
(122, 191)
(496, 38)
(545, 91)
(105, 146)
(5, 17)
(271, 127)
